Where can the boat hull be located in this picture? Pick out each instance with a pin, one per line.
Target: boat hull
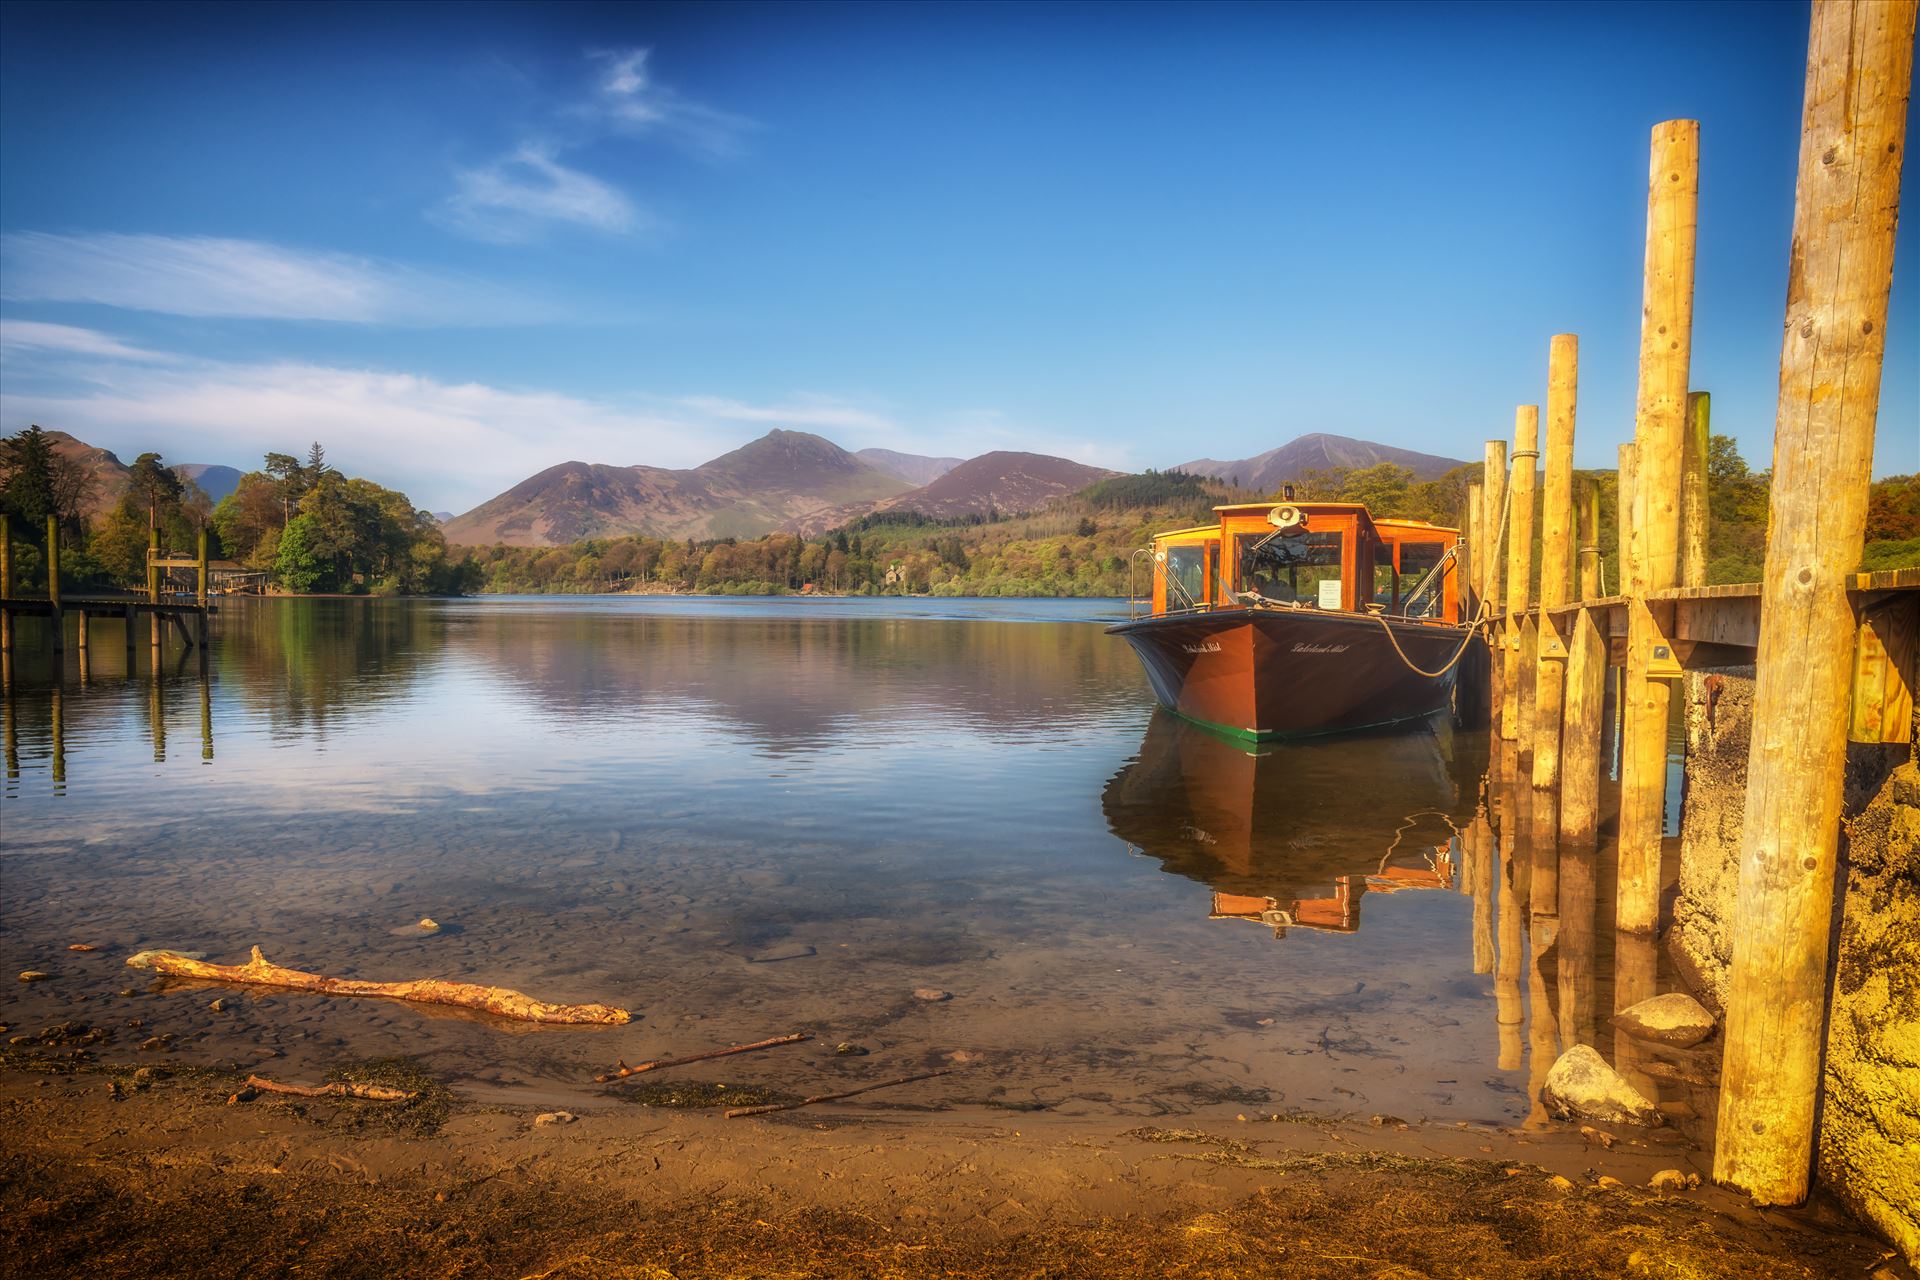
(1283, 673)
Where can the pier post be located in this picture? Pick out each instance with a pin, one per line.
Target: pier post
(55, 615)
(1666, 341)
(1693, 491)
(200, 597)
(1493, 475)
(1476, 549)
(1590, 562)
(1519, 578)
(6, 582)
(154, 633)
(1859, 74)
(1556, 590)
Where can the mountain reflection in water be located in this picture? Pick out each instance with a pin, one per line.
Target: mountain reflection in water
(1294, 835)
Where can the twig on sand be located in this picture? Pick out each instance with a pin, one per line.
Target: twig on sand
(834, 1097)
(495, 1000)
(622, 1071)
(338, 1089)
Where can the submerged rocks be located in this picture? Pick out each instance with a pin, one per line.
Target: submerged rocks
(1676, 1019)
(1581, 1086)
(933, 995)
(1672, 1181)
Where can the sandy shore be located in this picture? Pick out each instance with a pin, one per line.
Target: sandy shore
(137, 1167)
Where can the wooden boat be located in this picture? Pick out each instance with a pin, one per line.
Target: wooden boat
(1285, 620)
(1293, 835)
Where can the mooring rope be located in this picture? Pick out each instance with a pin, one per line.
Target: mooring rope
(1481, 617)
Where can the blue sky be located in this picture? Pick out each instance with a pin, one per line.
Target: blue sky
(459, 244)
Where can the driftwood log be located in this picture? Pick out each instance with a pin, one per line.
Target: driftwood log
(338, 1089)
(499, 1001)
(622, 1071)
(832, 1097)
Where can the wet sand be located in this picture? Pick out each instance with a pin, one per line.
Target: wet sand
(106, 1173)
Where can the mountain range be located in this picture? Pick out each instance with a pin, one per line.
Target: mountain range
(1316, 452)
(108, 475)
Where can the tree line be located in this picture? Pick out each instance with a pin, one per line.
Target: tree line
(301, 521)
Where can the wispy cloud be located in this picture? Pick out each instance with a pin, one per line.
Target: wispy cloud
(209, 276)
(446, 444)
(801, 411)
(629, 100)
(36, 336)
(520, 194)
(515, 197)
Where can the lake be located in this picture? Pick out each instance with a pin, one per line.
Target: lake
(746, 817)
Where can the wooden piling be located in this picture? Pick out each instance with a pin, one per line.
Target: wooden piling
(1519, 572)
(6, 582)
(1666, 340)
(1476, 549)
(1859, 75)
(1693, 490)
(1493, 475)
(154, 633)
(1591, 566)
(1556, 589)
(57, 618)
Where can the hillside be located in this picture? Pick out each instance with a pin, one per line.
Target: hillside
(782, 477)
(213, 479)
(1002, 482)
(1267, 471)
(912, 467)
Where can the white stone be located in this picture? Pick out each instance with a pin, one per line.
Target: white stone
(1675, 1018)
(1582, 1086)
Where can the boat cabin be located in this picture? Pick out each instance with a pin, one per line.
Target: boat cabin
(1309, 555)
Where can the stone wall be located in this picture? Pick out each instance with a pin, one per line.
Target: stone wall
(1869, 1141)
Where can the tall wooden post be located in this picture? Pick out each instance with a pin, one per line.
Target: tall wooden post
(154, 632)
(57, 616)
(200, 591)
(1476, 549)
(1519, 592)
(1591, 587)
(1666, 342)
(1556, 590)
(1693, 491)
(1859, 74)
(6, 582)
(1493, 475)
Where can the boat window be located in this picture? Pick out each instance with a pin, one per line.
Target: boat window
(1291, 568)
(1417, 559)
(1186, 576)
(1385, 587)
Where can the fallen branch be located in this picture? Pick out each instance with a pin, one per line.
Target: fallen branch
(622, 1071)
(338, 1089)
(833, 1097)
(494, 1000)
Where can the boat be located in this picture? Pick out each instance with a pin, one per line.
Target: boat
(1286, 620)
(1293, 835)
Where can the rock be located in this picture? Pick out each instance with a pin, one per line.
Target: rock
(19, 1039)
(126, 992)
(33, 975)
(247, 1094)
(962, 1057)
(81, 946)
(144, 1077)
(934, 994)
(1600, 1136)
(218, 1006)
(1382, 1121)
(1675, 1018)
(428, 925)
(1560, 1183)
(1581, 1086)
(1610, 1183)
(851, 1050)
(1671, 1180)
(785, 951)
(555, 1117)
(114, 1090)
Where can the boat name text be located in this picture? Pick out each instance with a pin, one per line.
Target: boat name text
(1320, 648)
(1211, 646)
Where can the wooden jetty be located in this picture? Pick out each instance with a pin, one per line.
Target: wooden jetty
(188, 617)
(1837, 651)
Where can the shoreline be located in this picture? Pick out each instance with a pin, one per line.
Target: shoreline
(144, 1167)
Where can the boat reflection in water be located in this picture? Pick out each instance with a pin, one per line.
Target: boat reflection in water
(1294, 835)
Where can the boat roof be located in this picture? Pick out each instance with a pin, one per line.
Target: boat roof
(1197, 528)
(1248, 508)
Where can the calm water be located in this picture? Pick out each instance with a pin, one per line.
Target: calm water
(741, 818)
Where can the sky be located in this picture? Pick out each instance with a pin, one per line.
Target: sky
(459, 244)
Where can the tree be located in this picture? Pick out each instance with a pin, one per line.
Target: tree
(154, 485)
(37, 481)
(1384, 489)
(300, 566)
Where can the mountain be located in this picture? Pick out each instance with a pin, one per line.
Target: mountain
(911, 467)
(781, 478)
(1317, 452)
(1003, 481)
(215, 479)
(107, 475)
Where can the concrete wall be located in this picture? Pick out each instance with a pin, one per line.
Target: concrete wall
(1869, 1142)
